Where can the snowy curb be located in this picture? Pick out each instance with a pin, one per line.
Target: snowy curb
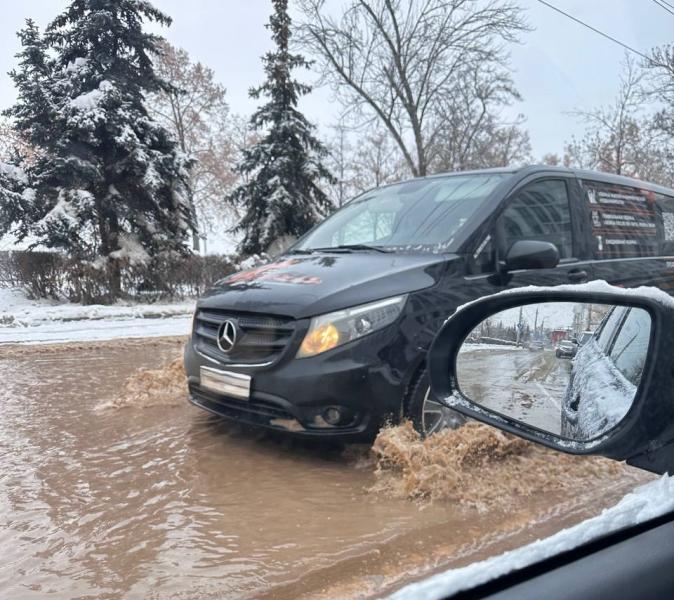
(24, 321)
(67, 313)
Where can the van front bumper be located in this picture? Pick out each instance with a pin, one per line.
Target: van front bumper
(345, 395)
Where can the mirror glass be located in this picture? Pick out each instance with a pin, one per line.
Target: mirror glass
(570, 369)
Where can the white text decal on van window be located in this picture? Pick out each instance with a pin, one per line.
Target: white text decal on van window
(481, 247)
(625, 220)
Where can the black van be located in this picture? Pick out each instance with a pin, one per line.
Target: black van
(330, 339)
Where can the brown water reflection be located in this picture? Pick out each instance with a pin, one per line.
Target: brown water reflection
(168, 502)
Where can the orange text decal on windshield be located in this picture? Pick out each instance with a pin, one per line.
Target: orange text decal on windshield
(273, 272)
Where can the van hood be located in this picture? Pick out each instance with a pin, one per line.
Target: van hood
(306, 286)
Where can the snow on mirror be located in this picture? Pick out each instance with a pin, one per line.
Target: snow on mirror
(570, 369)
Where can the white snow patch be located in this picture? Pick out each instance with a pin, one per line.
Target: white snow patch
(597, 286)
(646, 502)
(76, 65)
(92, 99)
(131, 249)
(25, 321)
(13, 172)
(606, 394)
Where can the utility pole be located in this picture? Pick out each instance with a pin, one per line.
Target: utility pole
(535, 320)
(589, 318)
(520, 325)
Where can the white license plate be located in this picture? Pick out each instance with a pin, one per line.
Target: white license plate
(226, 382)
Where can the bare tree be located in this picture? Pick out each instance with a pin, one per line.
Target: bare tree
(196, 112)
(340, 163)
(377, 160)
(613, 141)
(13, 148)
(661, 80)
(361, 159)
(473, 134)
(552, 159)
(402, 61)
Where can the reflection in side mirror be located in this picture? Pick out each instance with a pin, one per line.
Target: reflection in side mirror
(571, 369)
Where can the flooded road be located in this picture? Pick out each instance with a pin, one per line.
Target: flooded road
(154, 499)
(526, 385)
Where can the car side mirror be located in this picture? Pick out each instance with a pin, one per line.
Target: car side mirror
(611, 396)
(531, 254)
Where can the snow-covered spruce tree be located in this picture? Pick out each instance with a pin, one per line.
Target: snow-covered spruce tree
(109, 185)
(280, 196)
(12, 201)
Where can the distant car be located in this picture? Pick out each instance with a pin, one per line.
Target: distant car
(584, 337)
(536, 345)
(606, 374)
(566, 349)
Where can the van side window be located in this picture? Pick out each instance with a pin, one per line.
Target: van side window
(540, 211)
(625, 221)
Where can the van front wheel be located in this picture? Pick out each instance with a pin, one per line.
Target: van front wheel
(427, 414)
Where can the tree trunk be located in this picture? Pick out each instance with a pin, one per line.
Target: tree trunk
(115, 279)
(115, 268)
(196, 241)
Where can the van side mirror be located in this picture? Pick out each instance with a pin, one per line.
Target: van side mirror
(531, 254)
(506, 360)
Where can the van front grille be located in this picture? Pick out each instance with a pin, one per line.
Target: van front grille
(259, 338)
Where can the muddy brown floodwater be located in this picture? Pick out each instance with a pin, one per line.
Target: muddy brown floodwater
(119, 489)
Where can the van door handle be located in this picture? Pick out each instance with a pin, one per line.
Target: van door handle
(577, 276)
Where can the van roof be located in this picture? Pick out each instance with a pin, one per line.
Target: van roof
(580, 173)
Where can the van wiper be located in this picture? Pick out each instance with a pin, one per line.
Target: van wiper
(349, 247)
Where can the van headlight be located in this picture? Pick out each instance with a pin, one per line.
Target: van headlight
(340, 327)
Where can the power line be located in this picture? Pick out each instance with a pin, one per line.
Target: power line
(668, 4)
(601, 33)
(664, 5)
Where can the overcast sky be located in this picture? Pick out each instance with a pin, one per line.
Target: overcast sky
(559, 67)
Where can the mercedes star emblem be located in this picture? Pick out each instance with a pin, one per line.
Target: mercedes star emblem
(227, 336)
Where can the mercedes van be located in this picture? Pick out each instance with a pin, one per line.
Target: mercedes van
(330, 339)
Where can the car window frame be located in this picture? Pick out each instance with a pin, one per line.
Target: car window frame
(616, 330)
(511, 199)
(489, 227)
(615, 337)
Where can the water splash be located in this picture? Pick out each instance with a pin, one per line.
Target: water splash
(477, 465)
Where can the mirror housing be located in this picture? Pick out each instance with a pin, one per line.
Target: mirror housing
(531, 254)
(645, 436)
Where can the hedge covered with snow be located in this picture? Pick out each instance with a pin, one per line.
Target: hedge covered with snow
(55, 275)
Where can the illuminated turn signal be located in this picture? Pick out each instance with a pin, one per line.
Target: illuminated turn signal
(323, 338)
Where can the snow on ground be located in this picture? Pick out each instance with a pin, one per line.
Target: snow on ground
(42, 321)
(646, 502)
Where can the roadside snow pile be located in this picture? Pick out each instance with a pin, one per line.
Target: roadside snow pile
(166, 386)
(36, 321)
(646, 502)
(477, 466)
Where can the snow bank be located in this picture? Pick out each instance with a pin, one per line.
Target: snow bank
(39, 321)
(646, 502)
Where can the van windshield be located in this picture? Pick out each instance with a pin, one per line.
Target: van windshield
(425, 214)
